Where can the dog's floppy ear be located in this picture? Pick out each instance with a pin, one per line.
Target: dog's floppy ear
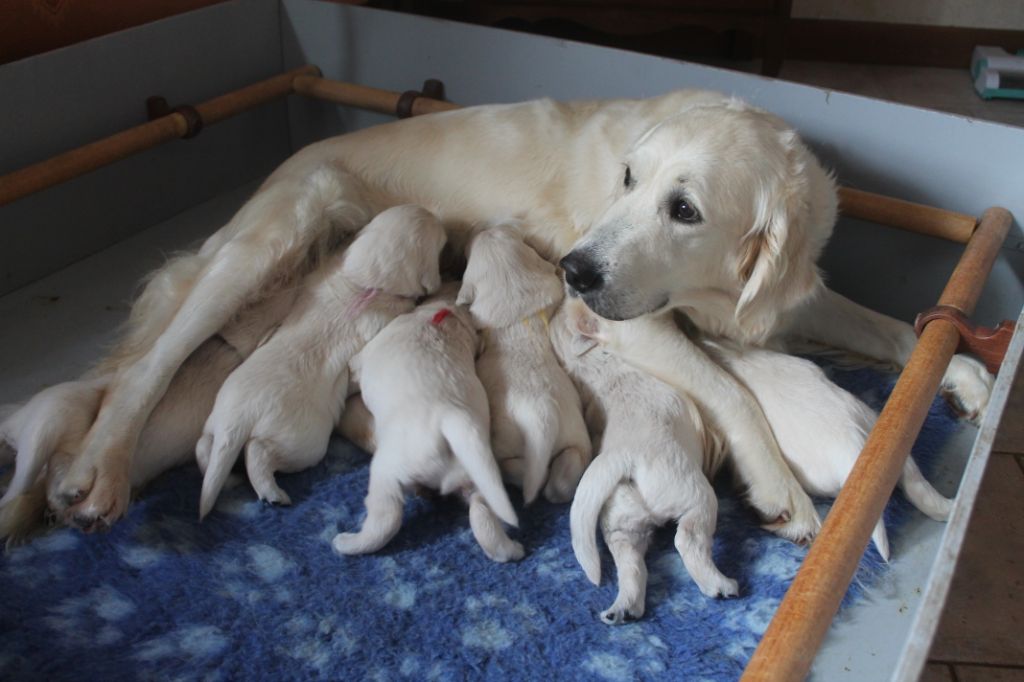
(776, 264)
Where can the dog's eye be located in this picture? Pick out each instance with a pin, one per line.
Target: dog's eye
(683, 211)
(627, 181)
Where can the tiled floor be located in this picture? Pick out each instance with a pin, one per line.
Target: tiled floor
(981, 635)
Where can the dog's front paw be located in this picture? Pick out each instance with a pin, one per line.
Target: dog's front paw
(86, 497)
(967, 385)
(797, 521)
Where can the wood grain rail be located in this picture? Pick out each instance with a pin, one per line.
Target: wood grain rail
(82, 160)
(307, 81)
(792, 639)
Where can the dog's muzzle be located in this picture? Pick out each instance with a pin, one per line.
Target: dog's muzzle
(581, 273)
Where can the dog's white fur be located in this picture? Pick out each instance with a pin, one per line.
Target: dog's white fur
(536, 417)
(820, 428)
(432, 427)
(649, 471)
(748, 272)
(281, 405)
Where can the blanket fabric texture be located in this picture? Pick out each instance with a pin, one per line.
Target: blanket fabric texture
(256, 592)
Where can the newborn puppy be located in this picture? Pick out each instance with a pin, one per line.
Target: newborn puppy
(820, 427)
(284, 400)
(649, 470)
(431, 425)
(535, 410)
(47, 432)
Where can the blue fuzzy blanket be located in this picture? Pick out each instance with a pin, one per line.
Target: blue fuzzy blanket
(256, 592)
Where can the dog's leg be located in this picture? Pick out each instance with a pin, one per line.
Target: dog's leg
(356, 424)
(837, 321)
(627, 543)
(566, 470)
(274, 237)
(655, 345)
(384, 504)
(489, 532)
(260, 460)
(694, 534)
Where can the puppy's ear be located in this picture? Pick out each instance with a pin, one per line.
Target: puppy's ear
(775, 264)
(431, 281)
(466, 294)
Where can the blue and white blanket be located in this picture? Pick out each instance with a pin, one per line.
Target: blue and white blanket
(256, 592)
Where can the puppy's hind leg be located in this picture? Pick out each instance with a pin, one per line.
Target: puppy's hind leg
(567, 468)
(260, 461)
(384, 505)
(694, 534)
(489, 532)
(628, 546)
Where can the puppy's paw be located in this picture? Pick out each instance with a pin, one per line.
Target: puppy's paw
(620, 614)
(719, 586)
(967, 385)
(505, 552)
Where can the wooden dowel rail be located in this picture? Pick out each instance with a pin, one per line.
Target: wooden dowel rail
(307, 81)
(71, 164)
(796, 631)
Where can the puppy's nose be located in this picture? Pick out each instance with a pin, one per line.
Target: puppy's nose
(581, 274)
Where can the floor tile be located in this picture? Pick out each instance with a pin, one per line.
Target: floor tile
(977, 673)
(1010, 437)
(984, 613)
(937, 672)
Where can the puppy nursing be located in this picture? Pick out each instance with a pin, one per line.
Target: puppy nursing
(820, 427)
(649, 470)
(283, 402)
(431, 425)
(536, 418)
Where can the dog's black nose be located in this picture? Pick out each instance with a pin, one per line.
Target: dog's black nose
(581, 274)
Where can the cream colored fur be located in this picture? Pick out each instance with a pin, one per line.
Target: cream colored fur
(649, 471)
(281, 405)
(431, 425)
(536, 419)
(559, 168)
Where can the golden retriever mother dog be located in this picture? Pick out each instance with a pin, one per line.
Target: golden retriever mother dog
(690, 201)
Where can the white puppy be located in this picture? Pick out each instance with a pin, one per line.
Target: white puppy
(48, 431)
(431, 426)
(284, 400)
(820, 427)
(536, 415)
(649, 471)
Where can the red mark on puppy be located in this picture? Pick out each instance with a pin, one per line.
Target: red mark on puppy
(439, 316)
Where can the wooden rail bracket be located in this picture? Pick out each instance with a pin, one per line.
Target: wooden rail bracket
(157, 107)
(432, 89)
(985, 342)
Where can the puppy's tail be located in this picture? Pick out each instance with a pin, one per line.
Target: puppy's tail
(539, 440)
(881, 540)
(921, 493)
(596, 486)
(223, 454)
(471, 446)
